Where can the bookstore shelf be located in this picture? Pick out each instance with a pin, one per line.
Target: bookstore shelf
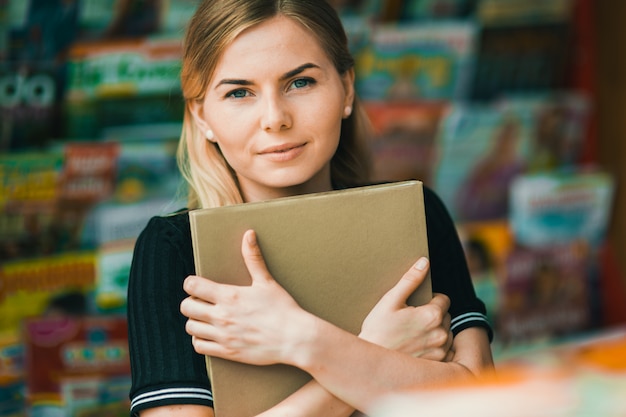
(504, 108)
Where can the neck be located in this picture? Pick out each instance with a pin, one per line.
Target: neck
(319, 183)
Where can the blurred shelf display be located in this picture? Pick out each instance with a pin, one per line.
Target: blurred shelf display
(488, 102)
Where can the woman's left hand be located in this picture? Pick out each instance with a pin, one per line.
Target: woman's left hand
(422, 331)
(246, 323)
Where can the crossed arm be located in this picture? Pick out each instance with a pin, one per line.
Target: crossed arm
(399, 347)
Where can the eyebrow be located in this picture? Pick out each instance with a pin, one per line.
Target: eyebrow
(288, 74)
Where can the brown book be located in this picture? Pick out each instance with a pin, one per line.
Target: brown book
(336, 253)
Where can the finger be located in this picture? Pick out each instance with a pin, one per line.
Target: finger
(441, 300)
(409, 282)
(195, 308)
(201, 330)
(450, 341)
(447, 321)
(253, 257)
(450, 355)
(207, 347)
(202, 288)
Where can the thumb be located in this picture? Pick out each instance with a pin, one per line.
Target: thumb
(413, 278)
(253, 258)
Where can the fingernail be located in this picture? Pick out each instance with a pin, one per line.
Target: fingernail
(251, 237)
(421, 264)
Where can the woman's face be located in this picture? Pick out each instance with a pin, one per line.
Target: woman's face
(275, 105)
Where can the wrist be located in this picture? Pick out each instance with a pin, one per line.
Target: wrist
(322, 347)
(303, 335)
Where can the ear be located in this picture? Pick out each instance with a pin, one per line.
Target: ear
(197, 111)
(348, 86)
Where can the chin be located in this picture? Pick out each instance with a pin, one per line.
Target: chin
(298, 181)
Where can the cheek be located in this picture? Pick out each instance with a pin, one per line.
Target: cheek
(329, 127)
(232, 151)
(326, 117)
(226, 120)
(232, 132)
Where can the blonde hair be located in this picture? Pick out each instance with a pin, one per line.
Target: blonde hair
(216, 23)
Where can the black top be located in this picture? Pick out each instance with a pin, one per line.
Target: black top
(165, 368)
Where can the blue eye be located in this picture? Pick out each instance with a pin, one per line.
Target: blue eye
(302, 82)
(237, 94)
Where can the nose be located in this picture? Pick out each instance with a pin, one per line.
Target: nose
(276, 114)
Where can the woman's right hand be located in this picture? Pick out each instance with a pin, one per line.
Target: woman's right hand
(246, 323)
(422, 331)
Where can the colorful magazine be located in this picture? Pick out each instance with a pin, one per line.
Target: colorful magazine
(425, 10)
(487, 245)
(403, 146)
(37, 286)
(59, 348)
(561, 206)
(561, 120)
(546, 294)
(28, 205)
(425, 61)
(529, 57)
(481, 149)
(134, 67)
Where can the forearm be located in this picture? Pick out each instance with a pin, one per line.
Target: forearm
(336, 359)
(312, 400)
(187, 410)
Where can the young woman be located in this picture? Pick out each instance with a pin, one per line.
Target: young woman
(271, 112)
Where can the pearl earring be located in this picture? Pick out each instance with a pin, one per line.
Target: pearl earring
(347, 111)
(209, 135)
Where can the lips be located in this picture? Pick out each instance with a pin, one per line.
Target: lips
(283, 153)
(281, 148)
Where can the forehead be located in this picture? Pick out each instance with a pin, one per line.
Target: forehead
(279, 41)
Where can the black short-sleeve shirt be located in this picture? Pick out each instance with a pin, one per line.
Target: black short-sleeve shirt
(166, 370)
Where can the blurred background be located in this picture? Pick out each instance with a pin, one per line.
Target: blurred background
(511, 110)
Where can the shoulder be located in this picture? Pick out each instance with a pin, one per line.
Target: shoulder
(174, 223)
(439, 223)
(173, 228)
(434, 206)
(166, 237)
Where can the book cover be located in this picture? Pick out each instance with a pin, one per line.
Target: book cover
(425, 61)
(30, 105)
(561, 126)
(425, 10)
(12, 368)
(91, 118)
(29, 195)
(113, 221)
(12, 403)
(4, 32)
(32, 77)
(89, 171)
(122, 68)
(497, 12)
(521, 57)
(545, 294)
(118, 19)
(481, 149)
(95, 396)
(112, 271)
(371, 234)
(487, 245)
(403, 146)
(562, 206)
(58, 348)
(146, 170)
(33, 287)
